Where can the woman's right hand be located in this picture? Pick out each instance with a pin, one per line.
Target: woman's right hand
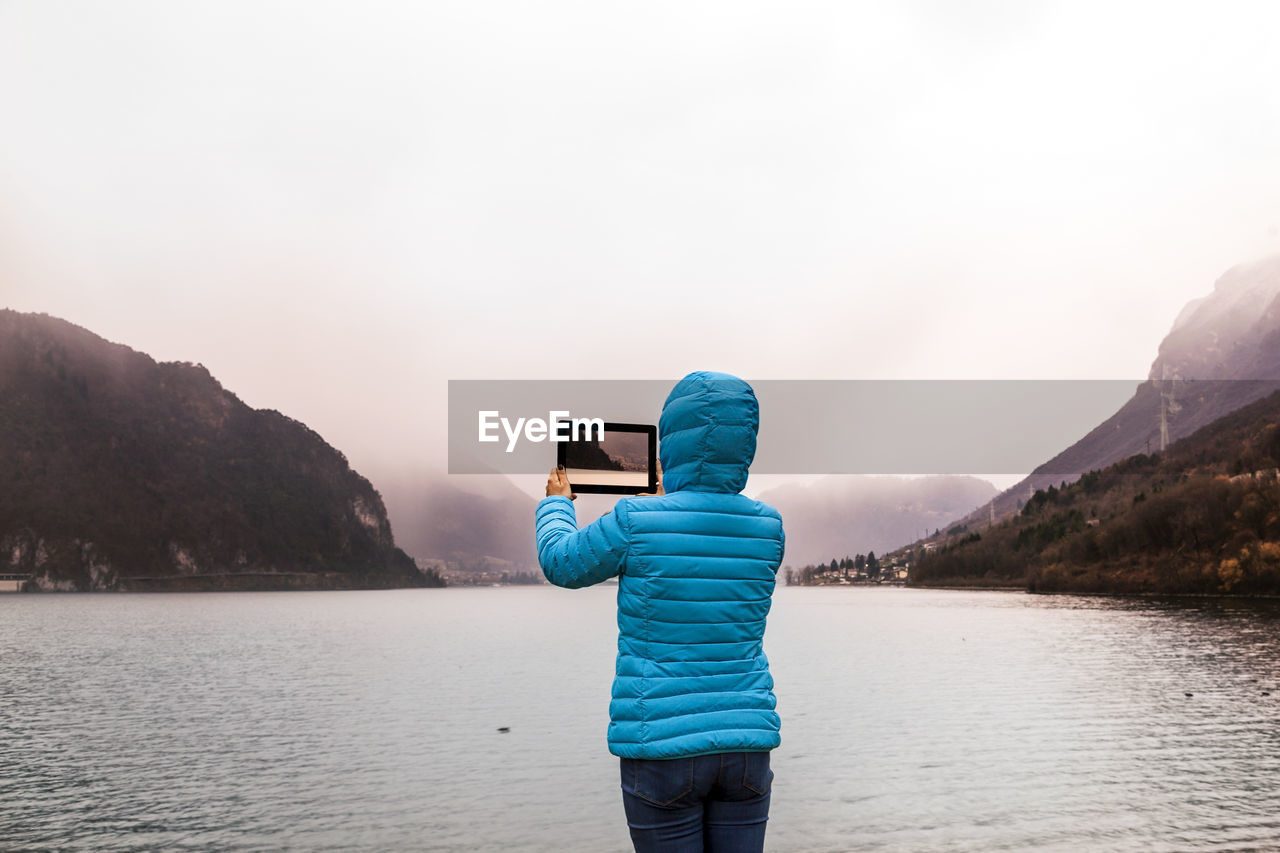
(558, 484)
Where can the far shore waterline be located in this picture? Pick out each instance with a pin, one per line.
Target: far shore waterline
(1025, 591)
(921, 587)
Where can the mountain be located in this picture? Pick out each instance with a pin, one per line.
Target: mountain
(122, 473)
(463, 522)
(1201, 518)
(1233, 333)
(843, 515)
(1222, 353)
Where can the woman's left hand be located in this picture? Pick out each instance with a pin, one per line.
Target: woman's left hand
(660, 491)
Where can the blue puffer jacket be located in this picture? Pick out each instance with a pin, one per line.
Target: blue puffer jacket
(696, 570)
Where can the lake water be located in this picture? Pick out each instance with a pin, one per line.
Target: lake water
(912, 720)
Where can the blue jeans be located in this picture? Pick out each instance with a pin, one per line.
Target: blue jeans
(713, 803)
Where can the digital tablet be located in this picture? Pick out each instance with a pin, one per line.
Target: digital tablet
(620, 461)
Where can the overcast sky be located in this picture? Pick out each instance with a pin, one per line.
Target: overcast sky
(338, 207)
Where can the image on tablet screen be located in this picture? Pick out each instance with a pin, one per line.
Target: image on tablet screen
(619, 459)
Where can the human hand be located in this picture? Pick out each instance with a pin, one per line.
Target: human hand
(660, 491)
(558, 484)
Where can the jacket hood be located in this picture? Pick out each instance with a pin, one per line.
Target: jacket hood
(707, 433)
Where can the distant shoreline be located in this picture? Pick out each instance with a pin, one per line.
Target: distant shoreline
(236, 582)
(1023, 589)
(983, 588)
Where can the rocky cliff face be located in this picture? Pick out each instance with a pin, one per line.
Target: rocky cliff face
(124, 473)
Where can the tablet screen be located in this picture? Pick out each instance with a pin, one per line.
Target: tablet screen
(619, 461)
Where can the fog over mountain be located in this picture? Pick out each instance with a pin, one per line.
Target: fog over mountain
(839, 516)
(461, 521)
(1233, 333)
(1223, 352)
(466, 522)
